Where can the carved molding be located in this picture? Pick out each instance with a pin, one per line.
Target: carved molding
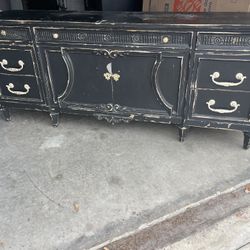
(157, 87)
(110, 107)
(223, 40)
(114, 119)
(71, 75)
(116, 37)
(110, 53)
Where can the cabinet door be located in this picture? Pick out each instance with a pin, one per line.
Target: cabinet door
(148, 82)
(77, 79)
(120, 82)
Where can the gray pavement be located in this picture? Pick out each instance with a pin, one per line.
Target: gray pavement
(78, 185)
(232, 233)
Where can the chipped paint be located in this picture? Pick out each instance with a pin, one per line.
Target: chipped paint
(151, 116)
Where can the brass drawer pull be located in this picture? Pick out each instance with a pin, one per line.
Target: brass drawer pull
(238, 76)
(4, 63)
(233, 104)
(11, 86)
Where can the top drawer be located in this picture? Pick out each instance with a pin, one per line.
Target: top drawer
(14, 34)
(223, 41)
(163, 39)
(17, 61)
(224, 72)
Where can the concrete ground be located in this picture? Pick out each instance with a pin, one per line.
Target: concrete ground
(195, 227)
(85, 182)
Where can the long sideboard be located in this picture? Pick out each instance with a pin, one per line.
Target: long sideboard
(182, 69)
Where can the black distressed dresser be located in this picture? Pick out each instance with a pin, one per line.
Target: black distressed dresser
(182, 69)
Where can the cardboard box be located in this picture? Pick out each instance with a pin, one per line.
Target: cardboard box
(196, 5)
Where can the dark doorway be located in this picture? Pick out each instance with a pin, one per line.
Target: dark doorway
(114, 5)
(40, 4)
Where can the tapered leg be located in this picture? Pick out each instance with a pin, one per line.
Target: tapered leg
(6, 113)
(182, 133)
(54, 119)
(246, 140)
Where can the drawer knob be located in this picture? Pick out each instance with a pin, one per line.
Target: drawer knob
(3, 33)
(55, 35)
(4, 63)
(11, 86)
(233, 104)
(165, 39)
(238, 76)
(110, 75)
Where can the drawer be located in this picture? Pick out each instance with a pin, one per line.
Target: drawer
(14, 34)
(165, 39)
(19, 88)
(223, 73)
(221, 105)
(223, 41)
(16, 61)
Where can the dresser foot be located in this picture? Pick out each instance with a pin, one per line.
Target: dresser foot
(6, 113)
(246, 140)
(54, 119)
(182, 133)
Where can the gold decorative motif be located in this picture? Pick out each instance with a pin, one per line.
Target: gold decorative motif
(115, 77)
(109, 75)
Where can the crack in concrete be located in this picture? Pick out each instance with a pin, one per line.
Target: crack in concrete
(41, 191)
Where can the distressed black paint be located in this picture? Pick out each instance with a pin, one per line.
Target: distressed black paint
(124, 67)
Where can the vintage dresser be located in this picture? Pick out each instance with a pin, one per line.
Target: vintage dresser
(182, 69)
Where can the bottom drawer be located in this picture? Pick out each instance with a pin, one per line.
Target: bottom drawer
(19, 88)
(221, 104)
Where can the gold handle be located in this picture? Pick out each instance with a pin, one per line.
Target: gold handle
(109, 75)
(233, 104)
(238, 76)
(11, 86)
(4, 63)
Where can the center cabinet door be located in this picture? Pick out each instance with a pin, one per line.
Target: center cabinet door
(116, 81)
